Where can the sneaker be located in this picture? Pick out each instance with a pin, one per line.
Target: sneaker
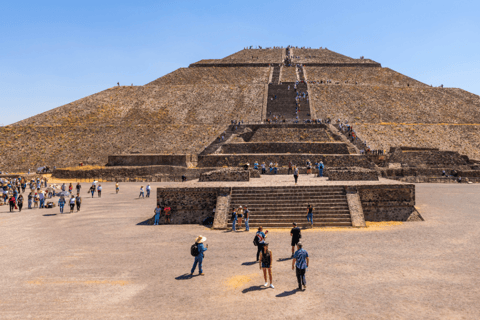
(271, 286)
(304, 286)
(201, 274)
(266, 284)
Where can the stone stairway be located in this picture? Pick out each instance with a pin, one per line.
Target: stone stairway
(278, 207)
(276, 74)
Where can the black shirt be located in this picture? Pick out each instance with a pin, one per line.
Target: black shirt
(295, 233)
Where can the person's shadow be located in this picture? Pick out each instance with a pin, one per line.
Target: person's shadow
(49, 214)
(249, 263)
(254, 288)
(284, 259)
(186, 276)
(286, 293)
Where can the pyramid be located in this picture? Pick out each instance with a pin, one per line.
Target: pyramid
(184, 111)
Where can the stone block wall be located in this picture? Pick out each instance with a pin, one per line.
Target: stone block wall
(432, 158)
(228, 174)
(275, 147)
(352, 174)
(151, 159)
(387, 203)
(190, 205)
(286, 134)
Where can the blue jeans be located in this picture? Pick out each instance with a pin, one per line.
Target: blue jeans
(148, 193)
(141, 195)
(233, 225)
(320, 172)
(247, 227)
(310, 218)
(199, 260)
(61, 208)
(93, 193)
(29, 204)
(157, 217)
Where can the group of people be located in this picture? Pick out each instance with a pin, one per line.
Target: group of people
(264, 258)
(237, 216)
(166, 211)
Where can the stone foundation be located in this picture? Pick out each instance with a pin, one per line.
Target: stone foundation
(352, 174)
(228, 174)
(276, 147)
(151, 160)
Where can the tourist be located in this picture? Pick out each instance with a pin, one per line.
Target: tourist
(78, 187)
(309, 167)
(70, 188)
(320, 169)
(36, 200)
(92, 189)
(20, 203)
(275, 168)
(61, 203)
(148, 190)
(255, 165)
(142, 195)
(41, 196)
(184, 178)
(295, 174)
(157, 211)
(12, 203)
(263, 168)
(99, 189)
(200, 249)
(64, 188)
(72, 203)
(296, 235)
(266, 259)
(261, 236)
(234, 219)
(117, 188)
(30, 200)
(310, 215)
(290, 167)
(300, 260)
(78, 201)
(168, 212)
(246, 213)
(239, 217)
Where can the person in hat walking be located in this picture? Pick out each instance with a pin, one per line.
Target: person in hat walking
(296, 235)
(266, 260)
(199, 257)
(300, 261)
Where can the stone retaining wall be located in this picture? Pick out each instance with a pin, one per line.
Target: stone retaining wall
(275, 147)
(151, 160)
(432, 158)
(352, 174)
(226, 175)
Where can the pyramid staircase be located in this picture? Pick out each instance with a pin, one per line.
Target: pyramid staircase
(278, 207)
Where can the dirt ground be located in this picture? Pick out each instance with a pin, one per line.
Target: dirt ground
(103, 263)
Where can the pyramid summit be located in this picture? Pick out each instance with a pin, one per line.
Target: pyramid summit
(187, 110)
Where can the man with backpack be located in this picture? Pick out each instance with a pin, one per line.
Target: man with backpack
(197, 251)
(259, 240)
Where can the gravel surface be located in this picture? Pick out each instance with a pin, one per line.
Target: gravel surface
(101, 263)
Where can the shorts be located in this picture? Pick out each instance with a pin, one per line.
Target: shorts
(295, 242)
(266, 265)
(240, 216)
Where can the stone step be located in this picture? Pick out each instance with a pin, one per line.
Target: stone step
(299, 217)
(283, 193)
(299, 213)
(303, 206)
(289, 224)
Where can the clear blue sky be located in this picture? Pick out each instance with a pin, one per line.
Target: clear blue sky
(55, 52)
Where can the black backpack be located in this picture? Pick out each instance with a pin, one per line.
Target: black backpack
(255, 241)
(194, 250)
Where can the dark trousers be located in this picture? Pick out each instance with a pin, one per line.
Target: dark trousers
(78, 206)
(290, 171)
(259, 249)
(301, 277)
(12, 206)
(20, 206)
(296, 178)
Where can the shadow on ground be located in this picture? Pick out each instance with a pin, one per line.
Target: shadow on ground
(254, 288)
(286, 293)
(186, 276)
(249, 263)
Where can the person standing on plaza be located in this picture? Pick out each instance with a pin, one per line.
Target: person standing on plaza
(148, 190)
(234, 219)
(142, 194)
(117, 188)
(157, 211)
(320, 169)
(300, 261)
(198, 254)
(20, 203)
(79, 186)
(70, 188)
(72, 203)
(296, 235)
(239, 216)
(266, 261)
(78, 201)
(99, 189)
(64, 187)
(12, 204)
(61, 203)
(310, 215)
(246, 213)
(42, 199)
(92, 190)
(168, 211)
(295, 174)
(261, 236)
(30, 200)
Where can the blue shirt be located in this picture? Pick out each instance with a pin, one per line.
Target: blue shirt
(261, 237)
(158, 210)
(301, 256)
(201, 249)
